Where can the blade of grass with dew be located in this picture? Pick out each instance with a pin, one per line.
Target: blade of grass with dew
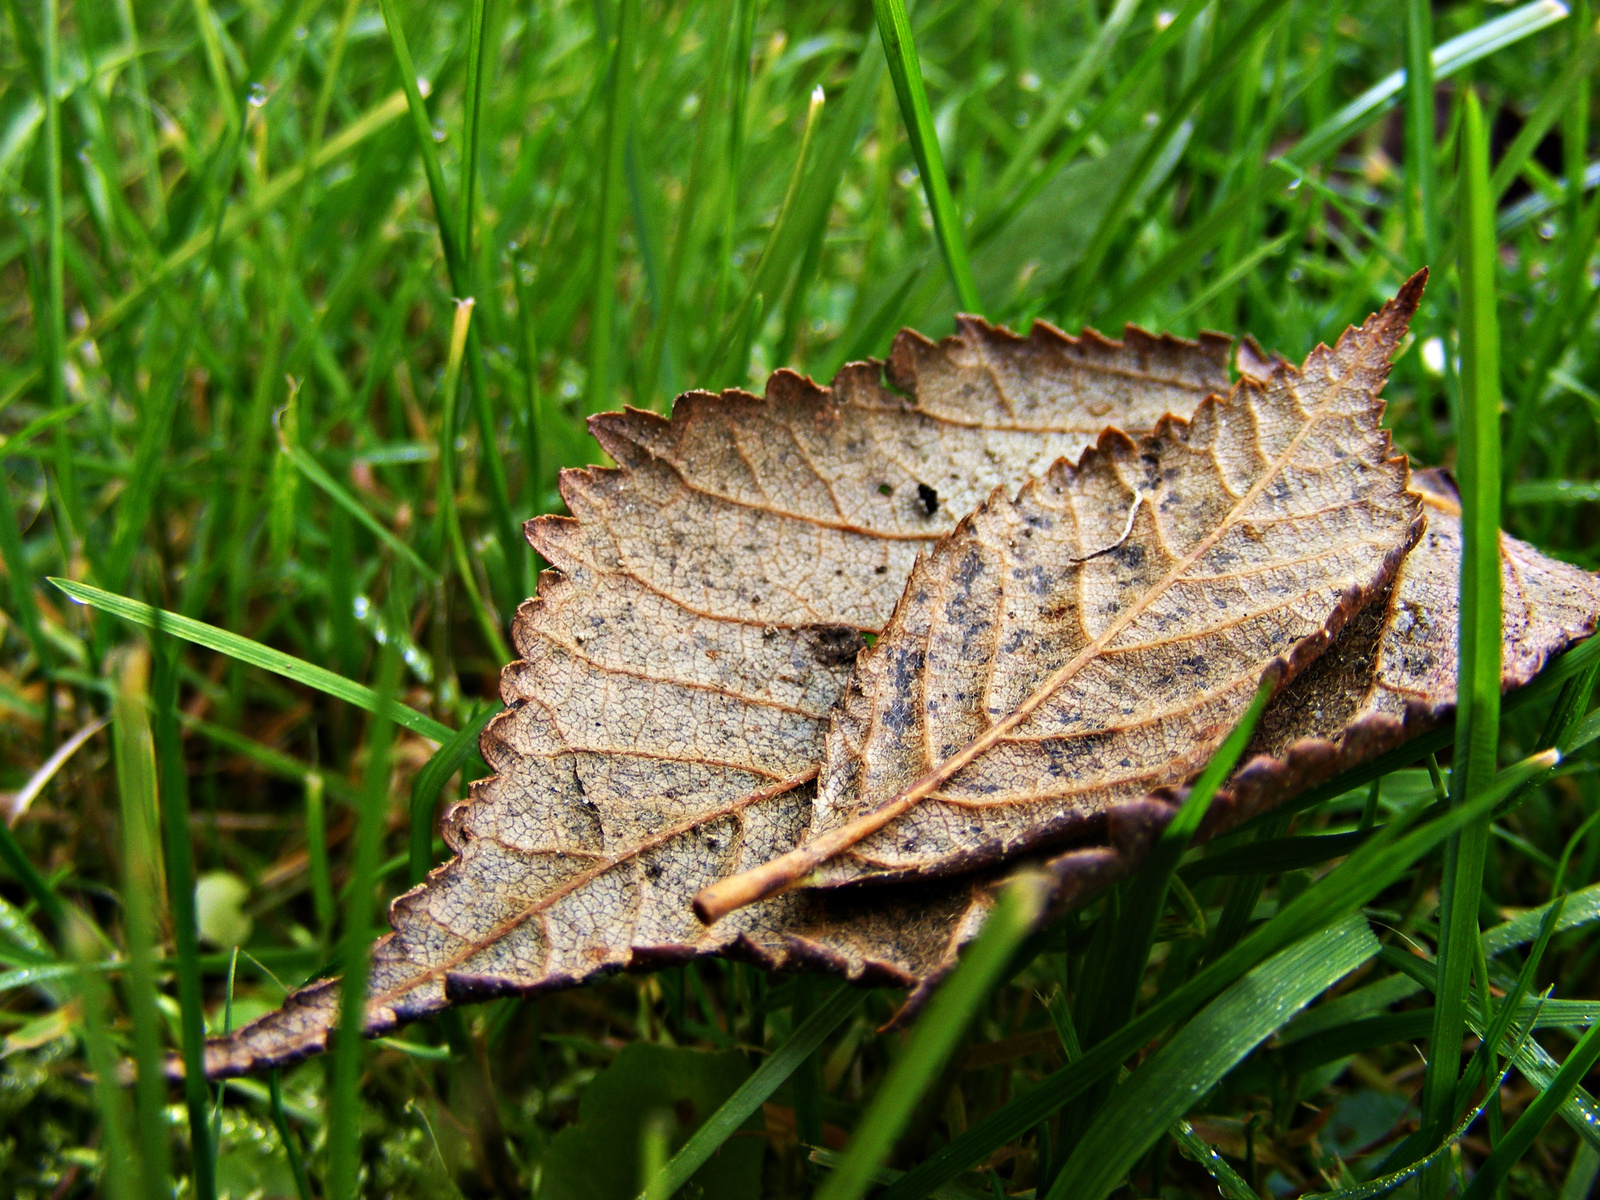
(291, 1144)
(1204, 1155)
(1422, 185)
(329, 486)
(134, 753)
(1532, 1060)
(174, 784)
(1556, 100)
(448, 223)
(53, 326)
(1219, 66)
(317, 866)
(256, 655)
(1448, 59)
(778, 254)
(608, 216)
(429, 782)
(263, 201)
(1393, 851)
(449, 515)
(1163, 1088)
(1438, 1158)
(121, 1167)
(1147, 891)
(756, 1090)
(684, 221)
(1478, 683)
(894, 30)
(1107, 998)
(1016, 914)
(1554, 491)
(349, 1042)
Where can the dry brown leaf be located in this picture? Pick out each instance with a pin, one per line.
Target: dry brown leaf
(1388, 677)
(1392, 674)
(908, 934)
(679, 670)
(1092, 642)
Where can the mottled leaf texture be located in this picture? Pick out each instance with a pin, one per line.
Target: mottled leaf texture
(1392, 674)
(680, 664)
(1091, 643)
(1389, 676)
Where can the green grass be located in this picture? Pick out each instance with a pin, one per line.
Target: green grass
(247, 426)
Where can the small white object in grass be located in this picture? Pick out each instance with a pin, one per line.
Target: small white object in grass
(1433, 356)
(219, 898)
(817, 95)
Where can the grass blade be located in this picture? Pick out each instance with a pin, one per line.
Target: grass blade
(938, 1030)
(314, 472)
(449, 515)
(1146, 893)
(1421, 181)
(448, 223)
(1448, 58)
(1519, 1138)
(35, 884)
(349, 1044)
(1163, 1088)
(1478, 683)
(778, 254)
(122, 1172)
(1107, 996)
(1554, 491)
(603, 300)
(894, 29)
(256, 655)
(180, 901)
(472, 120)
(141, 888)
(54, 322)
(1376, 865)
(753, 1092)
(1556, 100)
(429, 782)
(1254, 25)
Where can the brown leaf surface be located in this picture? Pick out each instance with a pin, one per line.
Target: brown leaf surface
(1387, 678)
(1092, 642)
(680, 664)
(1392, 674)
(908, 934)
